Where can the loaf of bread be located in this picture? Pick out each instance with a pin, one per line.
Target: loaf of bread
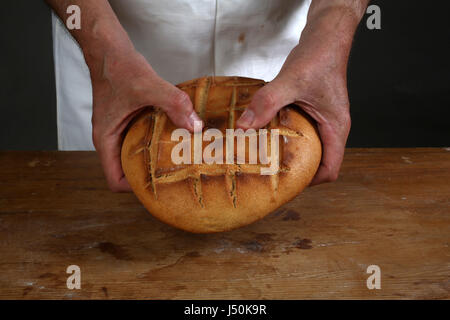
(205, 198)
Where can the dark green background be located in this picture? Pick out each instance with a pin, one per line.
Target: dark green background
(399, 77)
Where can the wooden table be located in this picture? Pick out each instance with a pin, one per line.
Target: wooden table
(390, 208)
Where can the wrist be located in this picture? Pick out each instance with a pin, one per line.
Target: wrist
(327, 38)
(104, 40)
(333, 26)
(351, 10)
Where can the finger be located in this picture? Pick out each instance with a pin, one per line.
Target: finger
(333, 153)
(176, 104)
(264, 105)
(111, 163)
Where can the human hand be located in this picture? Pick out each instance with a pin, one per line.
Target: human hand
(122, 83)
(123, 86)
(314, 76)
(318, 85)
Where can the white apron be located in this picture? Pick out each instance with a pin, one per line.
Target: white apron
(182, 40)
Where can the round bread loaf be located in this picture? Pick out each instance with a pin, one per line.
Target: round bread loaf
(205, 198)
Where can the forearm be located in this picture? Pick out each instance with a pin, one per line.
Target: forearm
(329, 32)
(101, 33)
(354, 9)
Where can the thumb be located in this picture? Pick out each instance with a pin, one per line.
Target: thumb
(264, 105)
(176, 104)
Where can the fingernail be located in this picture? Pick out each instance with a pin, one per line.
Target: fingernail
(246, 118)
(195, 122)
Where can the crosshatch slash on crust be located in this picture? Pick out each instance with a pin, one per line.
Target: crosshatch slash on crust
(158, 120)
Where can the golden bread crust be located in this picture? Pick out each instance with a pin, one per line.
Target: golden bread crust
(204, 198)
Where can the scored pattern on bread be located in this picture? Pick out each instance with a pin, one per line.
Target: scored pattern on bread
(194, 172)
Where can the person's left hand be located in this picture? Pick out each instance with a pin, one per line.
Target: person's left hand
(317, 82)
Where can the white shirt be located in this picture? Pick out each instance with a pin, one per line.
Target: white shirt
(182, 40)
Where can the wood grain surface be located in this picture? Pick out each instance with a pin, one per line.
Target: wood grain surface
(389, 207)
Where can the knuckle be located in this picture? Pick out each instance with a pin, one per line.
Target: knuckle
(333, 176)
(95, 137)
(268, 100)
(329, 173)
(114, 187)
(113, 183)
(349, 125)
(178, 99)
(98, 139)
(344, 120)
(347, 122)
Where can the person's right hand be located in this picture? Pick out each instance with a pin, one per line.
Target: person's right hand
(121, 87)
